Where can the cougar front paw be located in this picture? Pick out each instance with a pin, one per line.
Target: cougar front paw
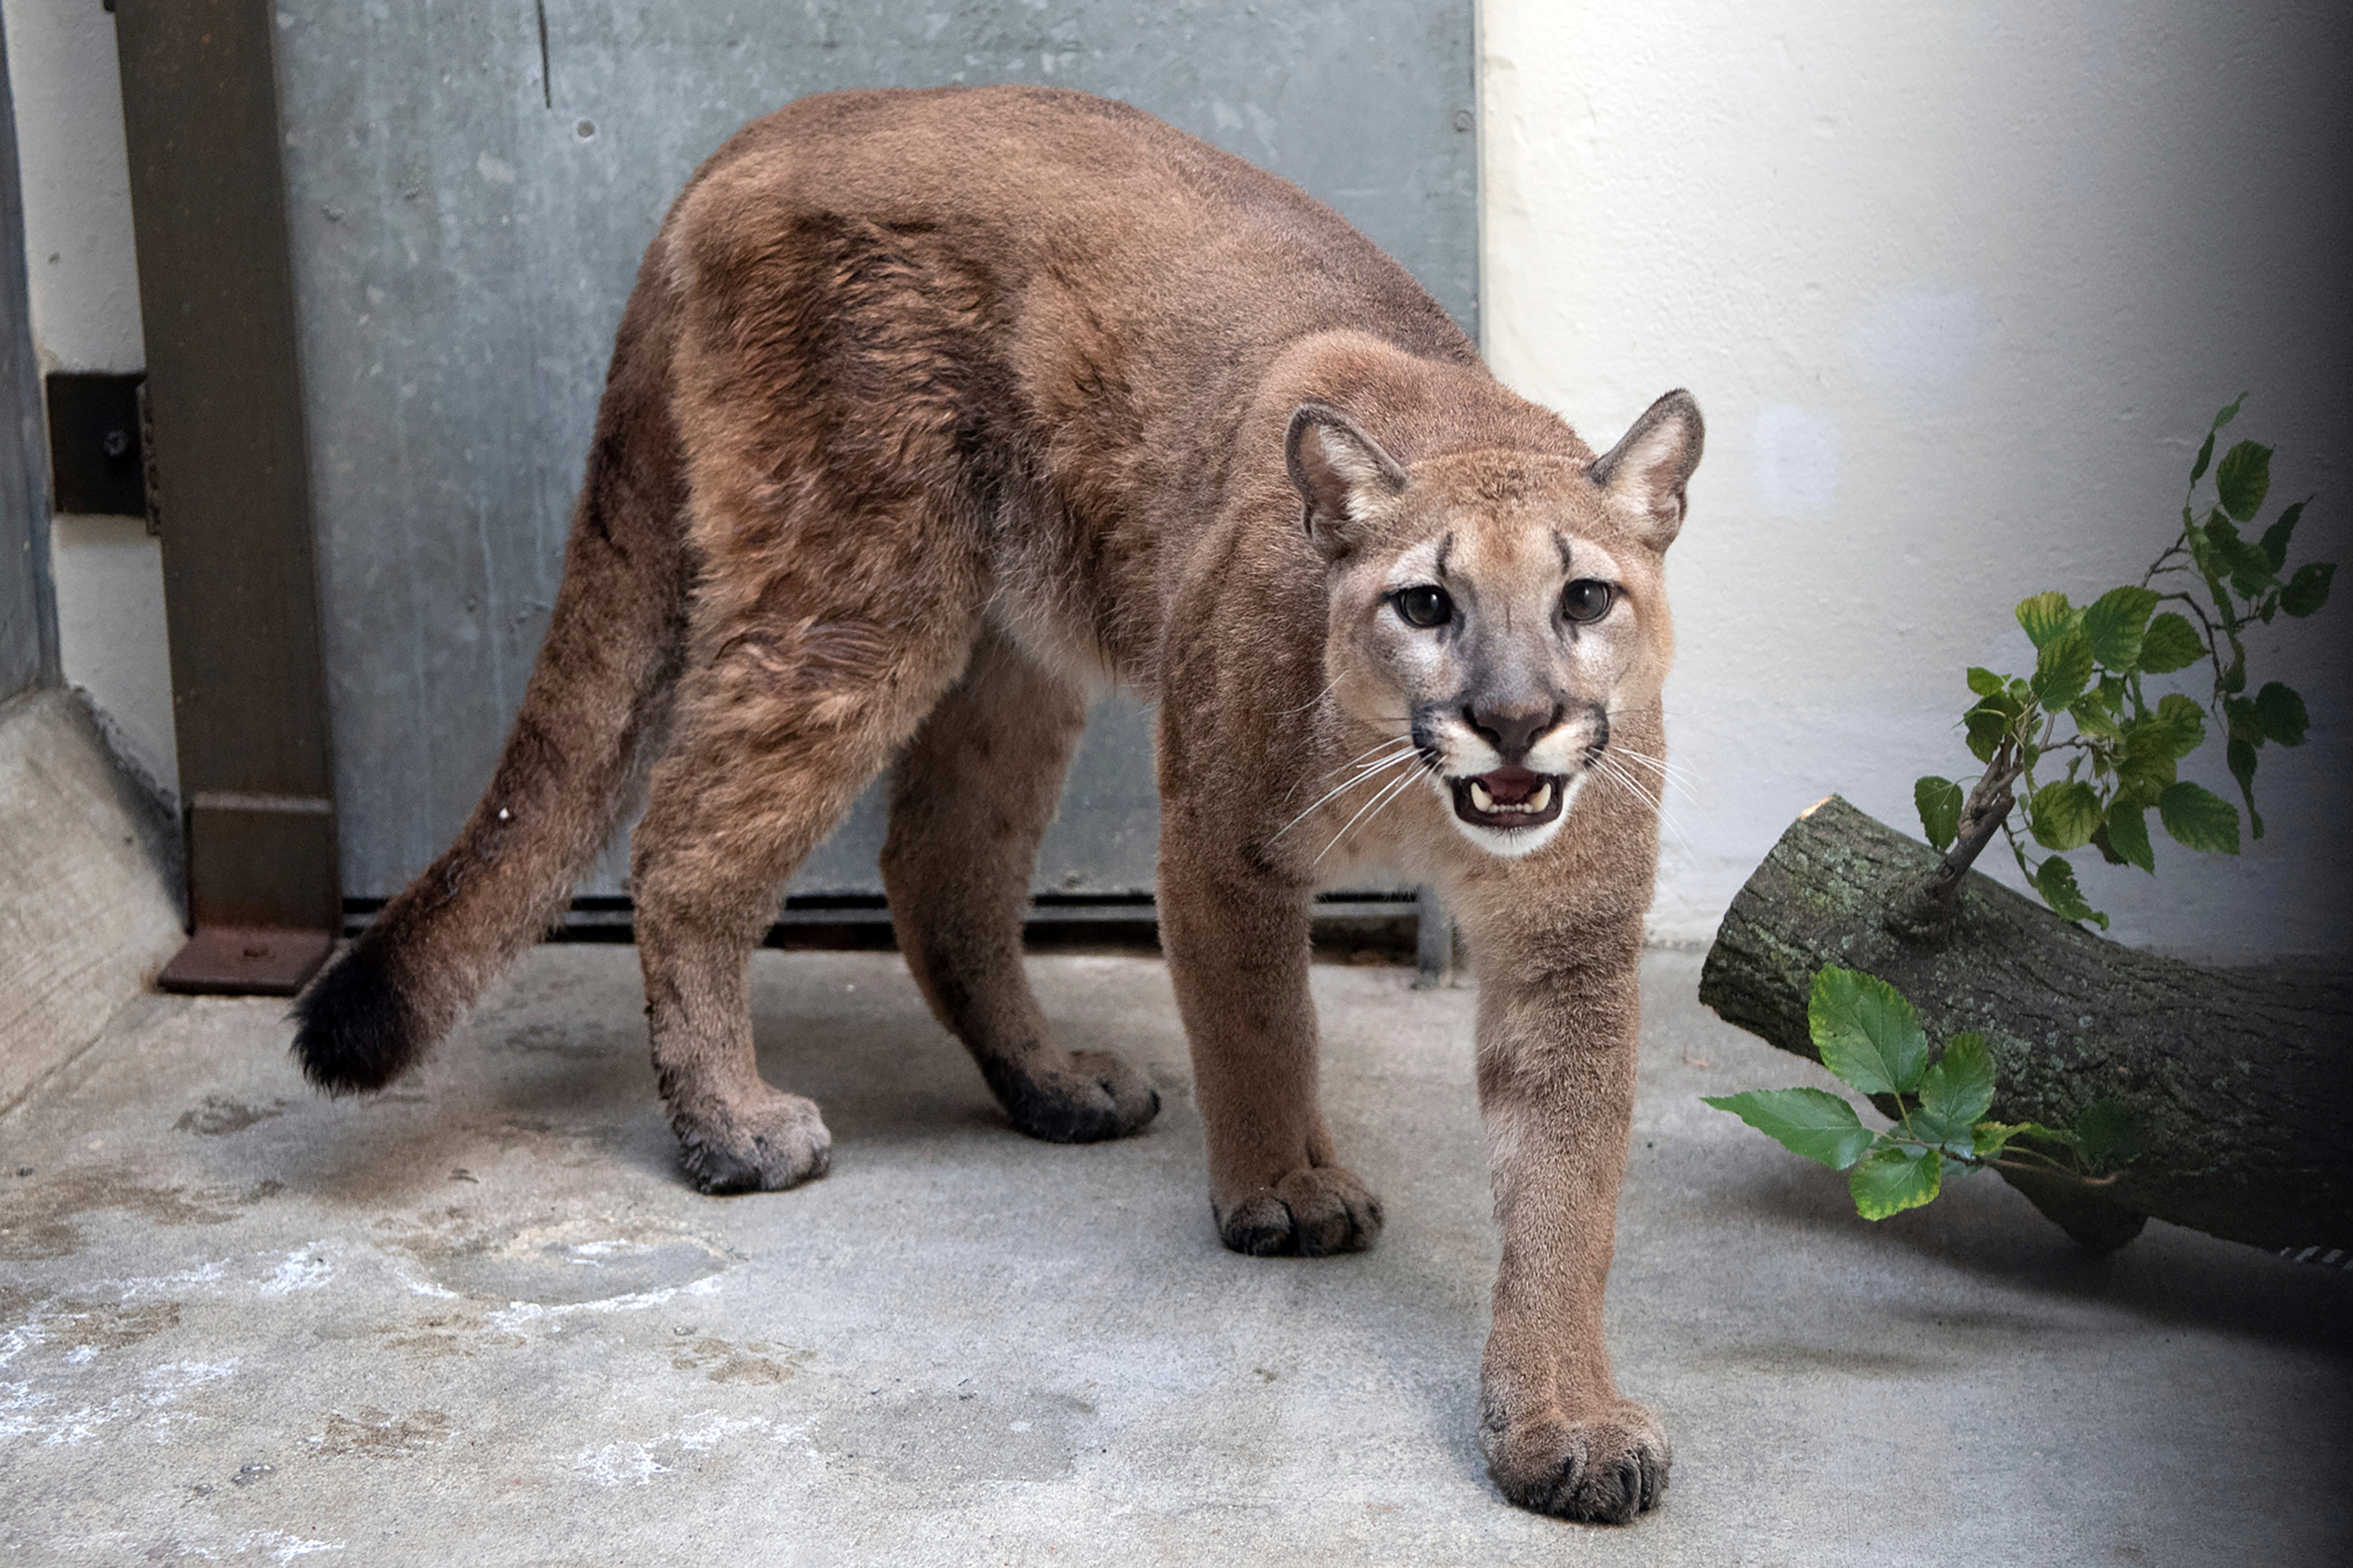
(1099, 1095)
(1605, 1470)
(1310, 1213)
(762, 1145)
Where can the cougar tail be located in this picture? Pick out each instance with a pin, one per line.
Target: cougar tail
(595, 697)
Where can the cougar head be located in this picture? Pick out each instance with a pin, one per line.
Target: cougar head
(1492, 609)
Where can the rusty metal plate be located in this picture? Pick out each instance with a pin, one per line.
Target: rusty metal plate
(246, 961)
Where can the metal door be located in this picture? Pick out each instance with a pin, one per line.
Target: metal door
(470, 187)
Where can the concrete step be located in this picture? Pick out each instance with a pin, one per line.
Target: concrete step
(88, 914)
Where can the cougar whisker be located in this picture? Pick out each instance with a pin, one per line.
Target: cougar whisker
(1388, 792)
(1364, 774)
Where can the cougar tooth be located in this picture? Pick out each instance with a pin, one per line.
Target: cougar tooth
(1542, 798)
(1480, 797)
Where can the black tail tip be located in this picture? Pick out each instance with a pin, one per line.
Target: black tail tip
(357, 1032)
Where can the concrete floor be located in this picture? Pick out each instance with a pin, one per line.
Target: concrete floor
(480, 1320)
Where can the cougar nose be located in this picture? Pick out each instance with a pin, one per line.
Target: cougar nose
(1511, 733)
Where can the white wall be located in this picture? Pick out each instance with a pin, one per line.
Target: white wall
(1958, 288)
(84, 283)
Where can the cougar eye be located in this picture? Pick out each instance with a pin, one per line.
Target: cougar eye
(1587, 599)
(1425, 606)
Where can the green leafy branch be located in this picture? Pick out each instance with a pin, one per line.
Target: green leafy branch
(2108, 755)
(1870, 1037)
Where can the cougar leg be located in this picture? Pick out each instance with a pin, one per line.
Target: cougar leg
(779, 726)
(1238, 953)
(1558, 1024)
(971, 797)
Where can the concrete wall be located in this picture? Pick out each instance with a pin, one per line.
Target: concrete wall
(84, 282)
(1958, 288)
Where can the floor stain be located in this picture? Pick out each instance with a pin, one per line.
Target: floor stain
(379, 1434)
(108, 1325)
(218, 1116)
(36, 1218)
(27, 1239)
(721, 1361)
(567, 1263)
(442, 1335)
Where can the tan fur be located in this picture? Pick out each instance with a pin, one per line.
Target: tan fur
(934, 412)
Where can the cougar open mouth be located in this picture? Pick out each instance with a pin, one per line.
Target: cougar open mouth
(1509, 797)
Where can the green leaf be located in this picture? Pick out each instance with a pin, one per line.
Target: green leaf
(1810, 1122)
(1866, 1032)
(1985, 727)
(2046, 616)
(2243, 478)
(2282, 713)
(1984, 682)
(1957, 1091)
(2250, 569)
(2277, 537)
(2093, 718)
(2058, 1135)
(2062, 670)
(2241, 756)
(1992, 1137)
(1941, 1133)
(2170, 643)
(1894, 1180)
(2185, 720)
(2308, 589)
(2127, 831)
(2106, 1134)
(2221, 553)
(2055, 881)
(2203, 549)
(2199, 819)
(2114, 623)
(1939, 801)
(2229, 413)
(2242, 723)
(2063, 815)
(2205, 456)
(2146, 765)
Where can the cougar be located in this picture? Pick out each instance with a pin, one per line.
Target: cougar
(932, 417)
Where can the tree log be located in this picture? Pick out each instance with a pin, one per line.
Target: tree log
(2239, 1081)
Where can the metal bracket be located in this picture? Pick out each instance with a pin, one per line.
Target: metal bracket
(246, 961)
(257, 863)
(97, 454)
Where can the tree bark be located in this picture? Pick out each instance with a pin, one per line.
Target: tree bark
(2239, 1081)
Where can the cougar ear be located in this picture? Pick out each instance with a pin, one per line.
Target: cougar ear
(1342, 474)
(1652, 461)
